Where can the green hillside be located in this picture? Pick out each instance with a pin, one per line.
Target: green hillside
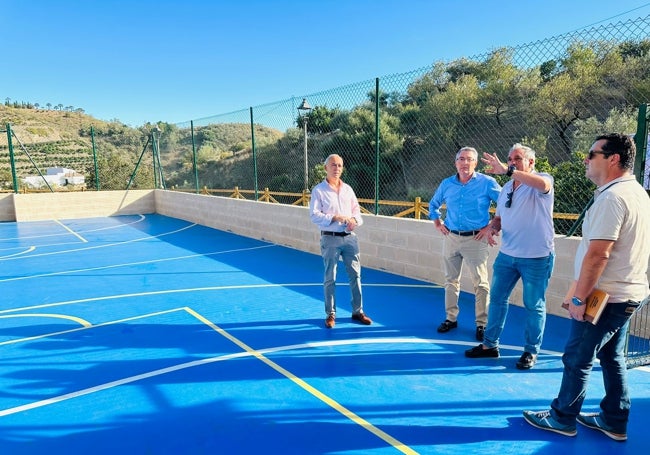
(43, 139)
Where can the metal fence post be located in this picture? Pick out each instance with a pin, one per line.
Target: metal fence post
(92, 140)
(196, 171)
(254, 155)
(377, 149)
(11, 158)
(641, 142)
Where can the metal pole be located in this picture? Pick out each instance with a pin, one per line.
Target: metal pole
(304, 124)
(377, 136)
(156, 157)
(153, 155)
(641, 142)
(11, 159)
(92, 139)
(137, 165)
(254, 154)
(196, 171)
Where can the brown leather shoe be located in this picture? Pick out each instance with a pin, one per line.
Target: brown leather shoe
(362, 318)
(330, 321)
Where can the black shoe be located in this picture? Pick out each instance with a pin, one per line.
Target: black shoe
(526, 361)
(481, 351)
(480, 332)
(447, 326)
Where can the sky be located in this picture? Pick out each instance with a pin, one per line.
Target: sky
(141, 61)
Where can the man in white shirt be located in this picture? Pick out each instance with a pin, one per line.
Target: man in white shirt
(525, 216)
(613, 257)
(335, 210)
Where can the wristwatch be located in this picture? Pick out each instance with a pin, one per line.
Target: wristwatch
(576, 301)
(512, 168)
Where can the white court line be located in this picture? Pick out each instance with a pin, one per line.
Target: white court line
(259, 354)
(62, 332)
(141, 239)
(129, 264)
(71, 231)
(28, 250)
(117, 226)
(247, 352)
(203, 289)
(81, 321)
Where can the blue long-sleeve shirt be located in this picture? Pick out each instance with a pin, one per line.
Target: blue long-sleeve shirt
(467, 204)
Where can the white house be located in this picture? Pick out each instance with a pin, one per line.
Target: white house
(59, 176)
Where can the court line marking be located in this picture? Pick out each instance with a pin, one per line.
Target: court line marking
(81, 321)
(28, 250)
(94, 247)
(117, 226)
(203, 289)
(71, 231)
(307, 387)
(248, 352)
(129, 264)
(248, 286)
(77, 329)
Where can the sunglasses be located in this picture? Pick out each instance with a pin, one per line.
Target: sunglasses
(508, 203)
(593, 153)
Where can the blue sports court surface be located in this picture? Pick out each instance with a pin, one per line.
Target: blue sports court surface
(152, 335)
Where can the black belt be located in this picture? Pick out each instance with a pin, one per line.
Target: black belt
(464, 233)
(337, 234)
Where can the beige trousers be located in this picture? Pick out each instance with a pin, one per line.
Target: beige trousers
(474, 253)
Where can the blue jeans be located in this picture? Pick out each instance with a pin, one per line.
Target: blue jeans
(605, 340)
(534, 274)
(347, 248)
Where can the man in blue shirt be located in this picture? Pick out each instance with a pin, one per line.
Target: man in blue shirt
(467, 196)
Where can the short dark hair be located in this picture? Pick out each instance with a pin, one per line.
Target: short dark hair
(621, 144)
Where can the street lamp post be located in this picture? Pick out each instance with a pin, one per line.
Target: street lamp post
(303, 112)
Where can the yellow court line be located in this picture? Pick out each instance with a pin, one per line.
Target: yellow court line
(83, 322)
(307, 387)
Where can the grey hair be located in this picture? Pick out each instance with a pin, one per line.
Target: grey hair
(528, 152)
(472, 150)
(327, 160)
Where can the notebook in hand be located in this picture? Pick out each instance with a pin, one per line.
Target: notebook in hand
(594, 303)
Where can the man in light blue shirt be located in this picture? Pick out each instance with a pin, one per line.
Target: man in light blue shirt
(525, 216)
(467, 197)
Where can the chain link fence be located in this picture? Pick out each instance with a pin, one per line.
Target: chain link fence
(398, 134)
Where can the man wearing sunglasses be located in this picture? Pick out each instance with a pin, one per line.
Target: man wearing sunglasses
(612, 256)
(524, 214)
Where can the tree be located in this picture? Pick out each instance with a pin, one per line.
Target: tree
(319, 119)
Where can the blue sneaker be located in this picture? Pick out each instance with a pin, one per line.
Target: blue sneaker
(543, 420)
(593, 420)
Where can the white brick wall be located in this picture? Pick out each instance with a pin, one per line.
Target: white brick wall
(402, 246)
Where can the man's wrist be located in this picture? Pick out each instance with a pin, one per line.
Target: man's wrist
(576, 301)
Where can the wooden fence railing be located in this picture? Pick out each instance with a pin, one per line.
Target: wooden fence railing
(416, 209)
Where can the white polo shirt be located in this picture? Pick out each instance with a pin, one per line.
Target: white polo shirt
(620, 212)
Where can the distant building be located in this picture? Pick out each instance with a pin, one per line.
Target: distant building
(58, 176)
